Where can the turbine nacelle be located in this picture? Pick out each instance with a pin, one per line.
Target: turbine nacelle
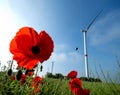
(84, 30)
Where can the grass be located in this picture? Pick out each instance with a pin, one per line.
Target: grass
(54, 87)
(61, 87)
(100, 88)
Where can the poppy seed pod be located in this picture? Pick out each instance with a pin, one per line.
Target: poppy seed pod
(9, 73)
(19, 75)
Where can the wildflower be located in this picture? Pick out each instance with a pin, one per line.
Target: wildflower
(35, 83)
(86, 92)
(28, 47)
(23, 78)
(75, 85)
(72, 74)
(13, 77)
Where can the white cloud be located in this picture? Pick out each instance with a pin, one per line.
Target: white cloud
(75, 57)
(105, 30)
(62, 54)
(63, 62)
(61, 47)
(59, 57)
(70, 57)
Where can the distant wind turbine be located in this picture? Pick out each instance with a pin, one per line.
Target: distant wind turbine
(52, 67)
(85, 45)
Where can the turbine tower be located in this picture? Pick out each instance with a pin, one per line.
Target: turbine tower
(85, 45)
(52, 67)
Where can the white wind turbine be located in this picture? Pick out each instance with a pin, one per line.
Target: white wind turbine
(85, 45)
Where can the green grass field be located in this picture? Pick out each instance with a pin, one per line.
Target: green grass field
(61, 87)
(54, 87)
(102, 88)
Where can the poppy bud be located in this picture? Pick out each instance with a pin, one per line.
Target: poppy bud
(19, 75)
(26, 72)
(9, 73)
(41, 67)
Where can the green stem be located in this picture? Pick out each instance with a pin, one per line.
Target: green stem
(11, 64)
(37, 68)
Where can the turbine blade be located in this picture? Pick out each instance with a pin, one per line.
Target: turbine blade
(94, 20)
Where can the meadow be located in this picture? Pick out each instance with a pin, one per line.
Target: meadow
(53, 86)
(96, 88)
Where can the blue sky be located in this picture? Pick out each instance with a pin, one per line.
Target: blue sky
(64, 20)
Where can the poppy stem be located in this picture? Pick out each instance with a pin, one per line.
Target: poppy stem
(11, 64)
(36, 72)
(37, 68)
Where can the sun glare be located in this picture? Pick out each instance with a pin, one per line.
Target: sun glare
(9, 25)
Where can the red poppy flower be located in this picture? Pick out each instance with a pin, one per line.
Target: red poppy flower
(72, 74)
(23, 79)
(79, 91)
(86, 92)
(75, 85)
(82, 92)
(13, 77)
(29, 47)
(36, 80)
(29, 72)
(35, 83)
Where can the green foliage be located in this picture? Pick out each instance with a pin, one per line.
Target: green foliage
(49, 75)
(90, 79)
(56, 87)
(14, 87)
(57, 75)
(52, 86)
(101, 88)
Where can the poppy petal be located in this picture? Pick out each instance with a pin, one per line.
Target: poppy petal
(72, 74)
(30, 32)
(46, 44)
(75, 84)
